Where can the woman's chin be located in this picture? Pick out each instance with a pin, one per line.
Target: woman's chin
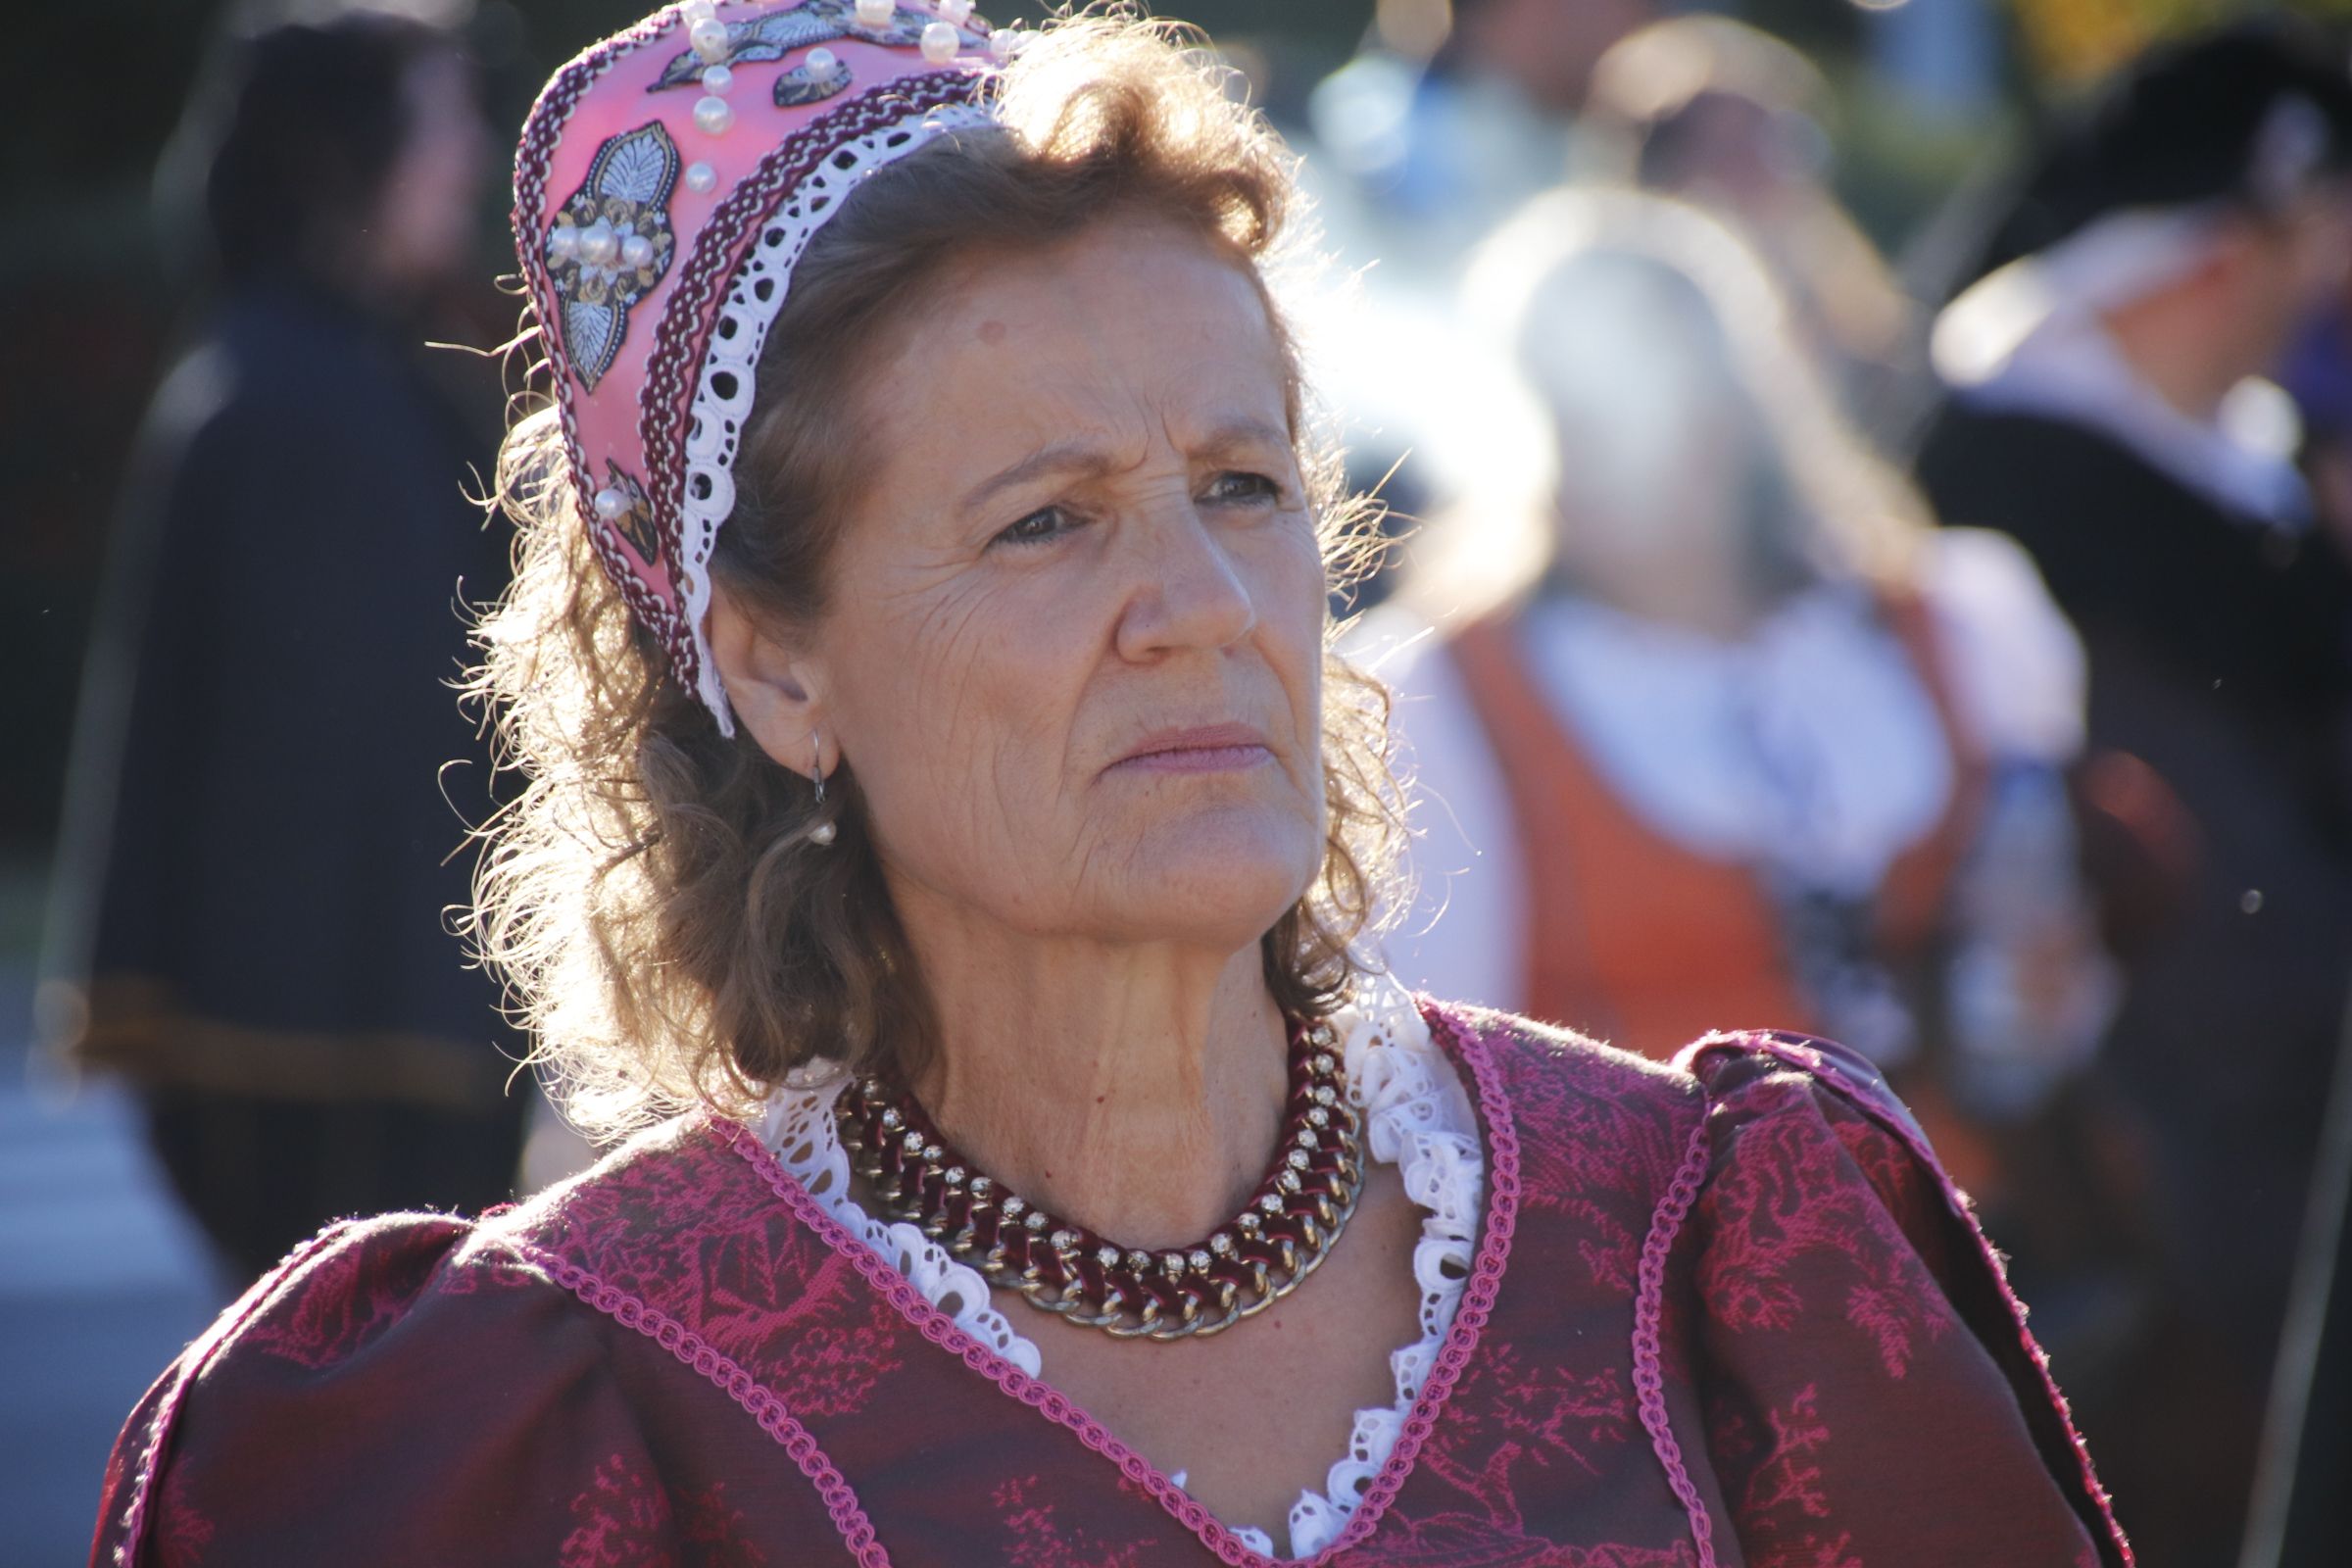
(1232, 873)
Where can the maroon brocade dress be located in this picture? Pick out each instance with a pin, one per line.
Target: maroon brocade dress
(1727, 1315)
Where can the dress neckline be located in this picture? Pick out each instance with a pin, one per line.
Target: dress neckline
(915, 1285)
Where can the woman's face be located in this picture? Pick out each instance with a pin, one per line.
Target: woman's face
(1073, 648)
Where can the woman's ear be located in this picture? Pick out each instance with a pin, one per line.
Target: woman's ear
(770, 684)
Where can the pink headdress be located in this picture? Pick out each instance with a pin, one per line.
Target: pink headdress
(669, 179)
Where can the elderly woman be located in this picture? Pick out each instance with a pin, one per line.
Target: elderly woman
(950, 836)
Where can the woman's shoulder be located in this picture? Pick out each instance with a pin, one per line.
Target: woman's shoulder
(1739, 1068)
(375, 1325)
(416, 1285)
(1767, 1196)
(1788, 1107)
(468, 1328)
(1569, 1119)
(396, 1285)
(1839, 1279)
(1519, 1046)
(1729, 1068)
(1686, 1117)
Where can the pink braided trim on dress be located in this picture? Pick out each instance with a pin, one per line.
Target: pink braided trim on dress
(199, 1356)
(1803, 1051)
(1477, 1305)
(760, 1401)
(1478, 1300)
(1649, 1311)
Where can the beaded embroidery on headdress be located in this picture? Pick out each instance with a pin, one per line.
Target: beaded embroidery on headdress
(667, 181)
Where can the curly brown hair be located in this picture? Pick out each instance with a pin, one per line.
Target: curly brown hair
(665, 923)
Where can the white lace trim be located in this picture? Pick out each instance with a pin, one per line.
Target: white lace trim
(799, 1128)
(1416, 1116)
(722, 394)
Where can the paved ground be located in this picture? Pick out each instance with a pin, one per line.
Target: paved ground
(101, 1282)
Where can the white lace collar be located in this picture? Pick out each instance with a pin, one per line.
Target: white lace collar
(1416, 1116)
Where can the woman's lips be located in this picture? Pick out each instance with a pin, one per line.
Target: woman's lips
(1208, 749)
(1201, 760)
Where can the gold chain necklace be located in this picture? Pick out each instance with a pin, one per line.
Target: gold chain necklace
(1285, 1231)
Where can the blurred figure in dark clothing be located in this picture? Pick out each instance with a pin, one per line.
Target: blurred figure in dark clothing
(2103, 406)
(262, 837)
(2318, 375)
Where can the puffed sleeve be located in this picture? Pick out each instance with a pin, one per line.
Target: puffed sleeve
(1870, 1393)
(389, 1395)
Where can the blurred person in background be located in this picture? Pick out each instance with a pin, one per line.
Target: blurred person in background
(1461, 112)
(1455, 113)
(2317, 373)
(1721, 731)
(2105, 408)
(261, 840)
(1728, 117)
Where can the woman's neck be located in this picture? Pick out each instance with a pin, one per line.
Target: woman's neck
(1135, 1090)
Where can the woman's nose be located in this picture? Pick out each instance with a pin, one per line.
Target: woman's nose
(1189, 591)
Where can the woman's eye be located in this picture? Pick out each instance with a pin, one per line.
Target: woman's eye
(1040, 525)
(1242, 489)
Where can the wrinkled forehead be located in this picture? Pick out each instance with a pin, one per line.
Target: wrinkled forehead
(1137, 332)
(1069, 312)
(1101, 359)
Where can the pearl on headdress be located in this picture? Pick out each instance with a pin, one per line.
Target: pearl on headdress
(877, 12)
(709, 38)
(940, 41)
(565, 243)
(717, 80)
(599, 244)
(820, 61)
(610, 505)
(957, 12)
(712, 116)
(1005, 42)
(636, 252)
(700, 178)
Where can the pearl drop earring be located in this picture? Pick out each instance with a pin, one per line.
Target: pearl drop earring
(826, 832)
